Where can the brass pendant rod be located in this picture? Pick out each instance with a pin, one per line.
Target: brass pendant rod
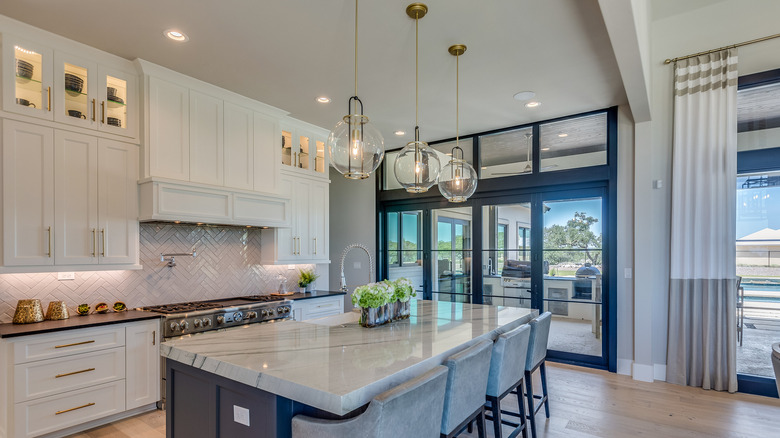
(416, 68)
(457, 99)
(744, 43)
(356, 46)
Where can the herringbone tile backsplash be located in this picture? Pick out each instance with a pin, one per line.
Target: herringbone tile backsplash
(227, 265)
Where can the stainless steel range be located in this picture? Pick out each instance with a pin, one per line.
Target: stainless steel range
(182, 319)
(202, 316)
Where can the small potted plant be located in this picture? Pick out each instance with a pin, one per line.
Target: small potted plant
(403, 291)
(306, 279)
(373, 300)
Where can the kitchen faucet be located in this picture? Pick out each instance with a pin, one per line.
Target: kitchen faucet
(344, 256)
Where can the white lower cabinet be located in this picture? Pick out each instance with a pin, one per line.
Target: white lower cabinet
(311, 308)
(61, 380)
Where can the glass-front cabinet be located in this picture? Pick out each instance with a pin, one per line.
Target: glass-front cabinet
(303, 150)
(27, 78)
(54, 85)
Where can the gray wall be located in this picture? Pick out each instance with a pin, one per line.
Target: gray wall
(352, 220)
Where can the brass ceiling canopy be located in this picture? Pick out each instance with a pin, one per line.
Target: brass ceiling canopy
(457, 49)
(416, 10)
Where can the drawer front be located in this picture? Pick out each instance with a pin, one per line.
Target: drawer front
(48, 414)
(48, 346)
(323, 307)
(54, 376)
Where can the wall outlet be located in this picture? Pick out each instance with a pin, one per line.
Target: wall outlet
(356, 265)
(241, 415)
(290, 267)
(628, 273)
(66, 276)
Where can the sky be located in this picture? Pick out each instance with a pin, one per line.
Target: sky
(562, 211)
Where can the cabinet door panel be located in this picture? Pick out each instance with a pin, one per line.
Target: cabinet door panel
(318, 220)
(239, 147)
(75, 91)
(266, 154)
(301, 198)
(143, 363)
(118, 96)
(28, 194)
(206, 139)
(169, 133)
(286, 245)
(76, 196)
(118, 202)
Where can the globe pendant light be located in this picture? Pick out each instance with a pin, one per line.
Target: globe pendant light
(458, 180)
(417, 166)
(356, 148)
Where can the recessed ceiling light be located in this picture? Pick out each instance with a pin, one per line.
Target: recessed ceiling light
(524, 95)
(563, 134)
(533, 104)
(400, 132)
(176, 35)
(545, 149)
(323, 99)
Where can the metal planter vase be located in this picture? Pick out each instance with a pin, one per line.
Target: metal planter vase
(375, 316)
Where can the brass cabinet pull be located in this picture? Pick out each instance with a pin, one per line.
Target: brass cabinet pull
(75, 372)
(94, 242)
(48, 94)
(154, 337)
(103, 112)
(73, 409)
(103, 234)
(94, 109)
(49, 231)
(73, 345)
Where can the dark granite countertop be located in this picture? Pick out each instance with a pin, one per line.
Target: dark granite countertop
(315, 294)
(9, 330)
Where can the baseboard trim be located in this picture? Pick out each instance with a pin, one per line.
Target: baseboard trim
(624, 366)
(659, 372)
(100, 422)
(642, 373)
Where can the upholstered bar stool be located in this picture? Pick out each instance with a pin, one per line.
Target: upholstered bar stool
(537, 353)
(509, 351)
(412, 409)
(464, 400)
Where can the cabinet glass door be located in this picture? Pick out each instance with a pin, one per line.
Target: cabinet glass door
(75, 91)
(303, 154)
(30, 82)
(288, 154)
(319, 159)
(114, 114)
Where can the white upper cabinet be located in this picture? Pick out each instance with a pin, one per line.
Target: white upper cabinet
(239, 147)
(117, 202)
(28, 194)
(206, 139)
(266, 154)
(99, 93)
(303, 148)
(168, 115)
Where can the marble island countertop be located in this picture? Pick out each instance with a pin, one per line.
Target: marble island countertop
(335, 365)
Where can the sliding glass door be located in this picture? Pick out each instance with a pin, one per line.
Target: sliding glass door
(451, 267)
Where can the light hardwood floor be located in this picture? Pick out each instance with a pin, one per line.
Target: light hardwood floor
(594, 403)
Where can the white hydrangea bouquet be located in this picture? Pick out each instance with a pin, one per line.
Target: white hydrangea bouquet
(374, 301)
(403, 292)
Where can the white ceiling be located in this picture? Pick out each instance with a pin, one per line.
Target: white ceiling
(286, 53)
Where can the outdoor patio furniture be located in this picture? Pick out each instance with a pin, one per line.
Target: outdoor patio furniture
(740, 309)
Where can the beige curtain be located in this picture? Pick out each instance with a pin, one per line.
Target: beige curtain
(701, 349)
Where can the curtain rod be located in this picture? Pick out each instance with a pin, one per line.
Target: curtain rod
(757, 40)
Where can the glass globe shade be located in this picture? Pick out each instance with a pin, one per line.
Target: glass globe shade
(356, 148)
(458, 180)
(417, 167)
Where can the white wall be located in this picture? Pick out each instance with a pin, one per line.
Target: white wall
(352, 220)
(719, 24)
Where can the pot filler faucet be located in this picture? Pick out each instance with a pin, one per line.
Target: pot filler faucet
(344, 256)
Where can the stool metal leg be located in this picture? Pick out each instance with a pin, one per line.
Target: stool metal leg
(543, 371)
(481, 423)
(529, 395)
(521, 409)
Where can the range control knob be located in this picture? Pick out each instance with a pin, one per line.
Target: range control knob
(251, 315)
(174, 326)
(270, 312)
(184, 325)
(238, 316)
(197, 323)
(286, 309)
(220, 319)
(206, 322)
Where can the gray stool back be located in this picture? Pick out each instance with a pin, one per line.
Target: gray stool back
(466, 384)
(411, 409)
(776, 364)
(509, 351)
(537, 346)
